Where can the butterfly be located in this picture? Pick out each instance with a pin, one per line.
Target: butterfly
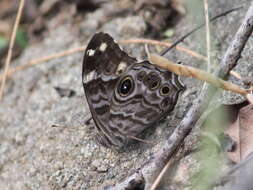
(125, 96)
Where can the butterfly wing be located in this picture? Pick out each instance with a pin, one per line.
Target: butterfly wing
(125, 97)
(103, 63)
(152, 94)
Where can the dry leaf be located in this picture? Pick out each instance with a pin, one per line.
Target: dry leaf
(241, 131)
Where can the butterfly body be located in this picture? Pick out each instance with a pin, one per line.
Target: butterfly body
(125, 96)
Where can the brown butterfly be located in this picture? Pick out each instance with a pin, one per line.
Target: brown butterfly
(125, 96)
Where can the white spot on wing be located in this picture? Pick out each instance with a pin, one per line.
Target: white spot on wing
(90, 76)
(121, 67)
(116, 42)
(120, 48)
(103, 47)
(90, 52)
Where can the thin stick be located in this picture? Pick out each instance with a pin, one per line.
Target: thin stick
(188, 71)
(233, 53)
(197, 28)
(208, 44)
(41, 60)
(160, 176)
(236, 75)
(165, 44)
(140, 140)
(12, 40)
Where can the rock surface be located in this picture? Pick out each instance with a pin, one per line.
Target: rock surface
(44, 141)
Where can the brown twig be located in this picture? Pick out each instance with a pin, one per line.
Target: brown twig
(236, 75)
(12, 40)
(245, 80)
(151, 170)
(233, 53)
(165, 44)
(41, 60)
(188, 71)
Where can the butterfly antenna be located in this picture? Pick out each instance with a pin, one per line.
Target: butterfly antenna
(197, 28)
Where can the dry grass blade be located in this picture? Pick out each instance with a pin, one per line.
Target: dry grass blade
(235, 74)
(41, 60)
(208, 43)
(188, 71)
(141, 140)
(160, 176)
(165, 44)
(12, 40)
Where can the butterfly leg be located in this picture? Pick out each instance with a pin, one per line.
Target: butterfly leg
(88, 120)
(101, 140)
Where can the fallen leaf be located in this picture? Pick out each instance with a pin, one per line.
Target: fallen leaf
(241, 131)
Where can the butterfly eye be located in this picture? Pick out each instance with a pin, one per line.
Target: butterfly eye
(126, 86)
(155, 84)
(141, 75)
(152, 81)
(165, 90)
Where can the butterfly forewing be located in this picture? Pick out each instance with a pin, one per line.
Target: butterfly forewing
(103, 63)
